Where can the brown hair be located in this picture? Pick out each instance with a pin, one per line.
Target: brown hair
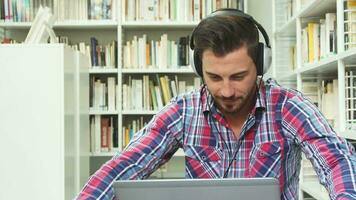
(224, 34)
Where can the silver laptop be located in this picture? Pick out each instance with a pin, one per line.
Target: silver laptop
(198, 189)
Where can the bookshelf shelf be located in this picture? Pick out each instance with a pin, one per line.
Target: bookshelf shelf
(103, 112)
(103, 71)
(185, 70)
(288, 29)
(166, 25)
(15, 25)
(138, 112)
(74, 24)
(325, 66)
(87, 24)
(348, 134)
(317, 7)
(348, 57)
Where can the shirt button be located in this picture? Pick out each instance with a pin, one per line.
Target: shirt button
(262, 154)
(203, 158)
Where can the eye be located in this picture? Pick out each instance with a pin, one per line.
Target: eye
(237, 77)
(214, 77)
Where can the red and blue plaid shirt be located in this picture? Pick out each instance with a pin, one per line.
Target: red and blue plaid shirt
(282, 125)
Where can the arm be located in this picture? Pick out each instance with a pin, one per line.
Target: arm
(150, 148)
(332, 158)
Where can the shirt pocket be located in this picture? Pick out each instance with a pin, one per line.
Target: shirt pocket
(202, 162)
(265, 160)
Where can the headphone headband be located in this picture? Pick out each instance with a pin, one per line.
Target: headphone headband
(264, 54)
(239, 13)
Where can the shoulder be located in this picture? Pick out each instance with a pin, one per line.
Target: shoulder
(273, 88)
(290, 100)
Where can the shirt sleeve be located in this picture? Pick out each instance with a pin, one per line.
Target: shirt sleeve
(150, 148)
(333, 159)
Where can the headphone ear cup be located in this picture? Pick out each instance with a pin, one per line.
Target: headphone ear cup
(267, 58)
(264, 59)
(196, 63)
(260, 59)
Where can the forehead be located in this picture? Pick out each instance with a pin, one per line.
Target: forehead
(234, 61)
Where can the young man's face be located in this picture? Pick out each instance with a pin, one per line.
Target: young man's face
(231, 79)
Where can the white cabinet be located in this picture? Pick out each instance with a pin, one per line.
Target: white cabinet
(43, 121)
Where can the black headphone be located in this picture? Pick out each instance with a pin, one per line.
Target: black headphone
(264, 53)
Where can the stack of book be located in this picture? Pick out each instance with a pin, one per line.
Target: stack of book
(319, 39)
(103, 134)
(25, 10)
(175, 10)
(163, 54)
(152, 93)
(350, 24)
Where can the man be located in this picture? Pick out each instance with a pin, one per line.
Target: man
(236, 125)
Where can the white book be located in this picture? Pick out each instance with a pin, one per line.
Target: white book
(189, 10)
(138, 95)
(114, 10)
(196, 11)
(158, 55)
(111, 93)
(197, 82)
(305, 53)
(131, 10)
(316, 41)
(134, 52)
(174, 54)
(140, 53)
(181, 87)
(209, 6)
(165, 10)
(96, 96)
(330, 19)
(173, 88)
(153, 54)
(143, 51)
(159, 97)
(164, 49)
(322, 38)
(180, 10)
(127, 55)
(146, 93)
(149, 10)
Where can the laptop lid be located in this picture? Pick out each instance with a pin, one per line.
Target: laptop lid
(198, 189)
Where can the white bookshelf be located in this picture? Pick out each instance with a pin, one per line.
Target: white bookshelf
(120, 30)
(44, 121)
(287, 32)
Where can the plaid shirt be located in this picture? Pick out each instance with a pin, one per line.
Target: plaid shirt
(282, 125)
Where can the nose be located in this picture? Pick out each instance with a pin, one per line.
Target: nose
(227, 90)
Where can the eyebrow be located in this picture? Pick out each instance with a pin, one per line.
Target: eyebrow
(236, 74)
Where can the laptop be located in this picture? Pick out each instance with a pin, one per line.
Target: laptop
(198, 189)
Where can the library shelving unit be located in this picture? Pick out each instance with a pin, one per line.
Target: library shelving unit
(118, 29)
(289, 20)
(44, 121)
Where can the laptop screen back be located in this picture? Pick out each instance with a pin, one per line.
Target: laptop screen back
(198, 189)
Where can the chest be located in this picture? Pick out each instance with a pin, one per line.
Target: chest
(211, 148)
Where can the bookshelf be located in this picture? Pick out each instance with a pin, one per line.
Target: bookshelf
(80, 28)
(44, 142)
(290, 19)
